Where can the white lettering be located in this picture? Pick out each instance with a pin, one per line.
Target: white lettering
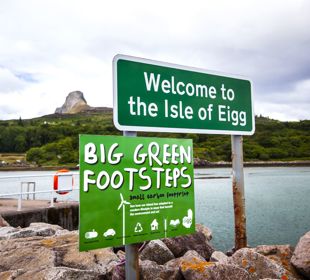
(87, 180)
(165, 86)
(111, 155)
(90, 156)
(149, 82)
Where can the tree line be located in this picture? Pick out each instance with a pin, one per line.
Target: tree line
(54, 139)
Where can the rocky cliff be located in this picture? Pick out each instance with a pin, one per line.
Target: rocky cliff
(75, 103)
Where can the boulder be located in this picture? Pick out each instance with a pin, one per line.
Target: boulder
(173, 267)
(100, 261)
(150, 270)
(10, 274)
(7, 275)
(156, 251)
(192, 256)
(24, 254)
(226, 271)
(218, 271)
(64, 273)
(193, 267)
(121, 254)
(301, 256)
(35, 229)
(3, 222)
(67, 254)
(196, 241)
(117, 273)
(21, 233)
(58, 256)
(259, 266)
(205, 230)
(196, 268)
(218, 256)
(5, 231)
(281, 254)
(44, 229)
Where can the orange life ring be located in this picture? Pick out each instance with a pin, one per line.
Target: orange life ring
(56, 181)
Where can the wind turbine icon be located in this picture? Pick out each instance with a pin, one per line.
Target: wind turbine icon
(123, 204)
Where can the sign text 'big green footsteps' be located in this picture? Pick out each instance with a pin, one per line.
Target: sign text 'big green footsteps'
(134, 189)
(156, 96)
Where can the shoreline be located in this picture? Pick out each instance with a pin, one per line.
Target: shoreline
(41, 168)
(295, 163)
(197, 164)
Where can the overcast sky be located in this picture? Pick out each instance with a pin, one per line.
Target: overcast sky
(50, 48)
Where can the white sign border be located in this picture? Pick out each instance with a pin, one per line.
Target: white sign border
(172, 129)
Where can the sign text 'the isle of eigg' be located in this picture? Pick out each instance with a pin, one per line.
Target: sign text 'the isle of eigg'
(157, 96)
(134, 189)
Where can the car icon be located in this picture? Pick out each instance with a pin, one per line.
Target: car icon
(175, 223)
(109, 232)
(91, 234)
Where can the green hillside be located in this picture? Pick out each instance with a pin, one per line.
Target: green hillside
(53, 139)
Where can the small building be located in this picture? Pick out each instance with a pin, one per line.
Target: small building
(154, 225)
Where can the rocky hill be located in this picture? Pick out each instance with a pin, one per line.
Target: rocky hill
(76, 103)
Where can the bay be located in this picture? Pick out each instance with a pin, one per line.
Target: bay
(277, 201)
(277, 205)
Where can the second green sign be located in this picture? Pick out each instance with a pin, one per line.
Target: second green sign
(134, 189)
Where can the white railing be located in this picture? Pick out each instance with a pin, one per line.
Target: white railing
(52, 192)
(32, 183)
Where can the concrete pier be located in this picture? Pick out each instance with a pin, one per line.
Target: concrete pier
(65, 214)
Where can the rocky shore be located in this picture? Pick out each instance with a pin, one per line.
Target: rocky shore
(44, 251)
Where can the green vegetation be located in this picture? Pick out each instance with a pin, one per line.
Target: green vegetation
(53, 139)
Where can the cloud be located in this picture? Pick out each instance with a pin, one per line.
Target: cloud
(10, 82)
(50, 48)
(294, 102)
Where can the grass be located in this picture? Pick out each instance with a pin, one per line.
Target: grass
(12, 157)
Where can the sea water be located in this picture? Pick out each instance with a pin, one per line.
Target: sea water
(277, 201)
(277, 204)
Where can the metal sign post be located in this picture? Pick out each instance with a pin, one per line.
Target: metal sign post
(238, 191)
(131, 250)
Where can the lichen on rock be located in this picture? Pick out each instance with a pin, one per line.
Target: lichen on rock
(301, 256)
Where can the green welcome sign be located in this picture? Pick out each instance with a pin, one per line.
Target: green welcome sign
(157, 96)
(134, 189)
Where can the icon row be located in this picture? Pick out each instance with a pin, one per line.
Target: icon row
(94, 234)
(154, 226)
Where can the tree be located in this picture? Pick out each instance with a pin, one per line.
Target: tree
(35, 155)
(20, 143)
(20, 122)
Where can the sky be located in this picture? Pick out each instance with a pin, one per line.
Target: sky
(50, 48)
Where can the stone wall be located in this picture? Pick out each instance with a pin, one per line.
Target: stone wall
(66, 216)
